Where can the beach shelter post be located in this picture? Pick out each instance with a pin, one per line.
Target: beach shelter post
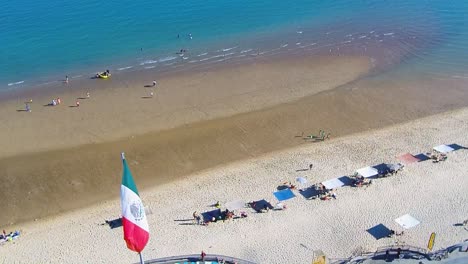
(134, 222)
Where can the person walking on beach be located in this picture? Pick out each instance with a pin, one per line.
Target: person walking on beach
(202, 255)
(154, 83)
(197, 217)
(311, 166)
(66, 79)
(27, 107)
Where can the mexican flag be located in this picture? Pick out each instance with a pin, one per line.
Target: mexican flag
(135, 225)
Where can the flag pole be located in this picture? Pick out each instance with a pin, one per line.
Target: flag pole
(141, 258)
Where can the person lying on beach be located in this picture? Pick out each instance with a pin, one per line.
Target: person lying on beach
(436, 157)
(227, 214)
(312, 136)
(252, 204)
(393, 233)
(319, 187)
(280, 206)
(265, 209)
(290, 185)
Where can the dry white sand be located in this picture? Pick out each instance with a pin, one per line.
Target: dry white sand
(436, 194)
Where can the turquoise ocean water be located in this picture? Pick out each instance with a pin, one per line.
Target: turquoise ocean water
(42, 41)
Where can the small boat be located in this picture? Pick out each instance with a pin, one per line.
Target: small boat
(103, 75)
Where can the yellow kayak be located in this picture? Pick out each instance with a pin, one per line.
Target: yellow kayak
(102, 75)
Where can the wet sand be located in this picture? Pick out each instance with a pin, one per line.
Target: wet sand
(118, 107)
(56, 159)
(433, 193)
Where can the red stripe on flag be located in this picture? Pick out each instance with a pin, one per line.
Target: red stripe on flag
(135, 236)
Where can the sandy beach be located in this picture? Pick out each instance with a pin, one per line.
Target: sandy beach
(65, 156)
(434, 193)
(224, 133)
(229, 102)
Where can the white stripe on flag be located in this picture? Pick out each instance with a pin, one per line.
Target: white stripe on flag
(131, 201)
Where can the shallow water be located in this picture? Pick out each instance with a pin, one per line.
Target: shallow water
(43, 41)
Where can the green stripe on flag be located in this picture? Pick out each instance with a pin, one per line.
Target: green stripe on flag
(127, 179)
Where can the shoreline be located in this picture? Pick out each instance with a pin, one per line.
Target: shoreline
(180, 99)
(335, 40)
(353, 212)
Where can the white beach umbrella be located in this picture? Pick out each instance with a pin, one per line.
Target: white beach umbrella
(407, 221)
(443, 149)
(234, 205)
(333, 183)
(301, 180)
(368, 172)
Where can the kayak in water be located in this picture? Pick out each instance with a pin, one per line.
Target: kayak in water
(103, 75)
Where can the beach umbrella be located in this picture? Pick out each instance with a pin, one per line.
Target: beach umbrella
(368, 172)
(283, 195)
(234, 205)
(407, 158)
(407, 221)
(443, 149)
(301, 180)
(333, 183)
